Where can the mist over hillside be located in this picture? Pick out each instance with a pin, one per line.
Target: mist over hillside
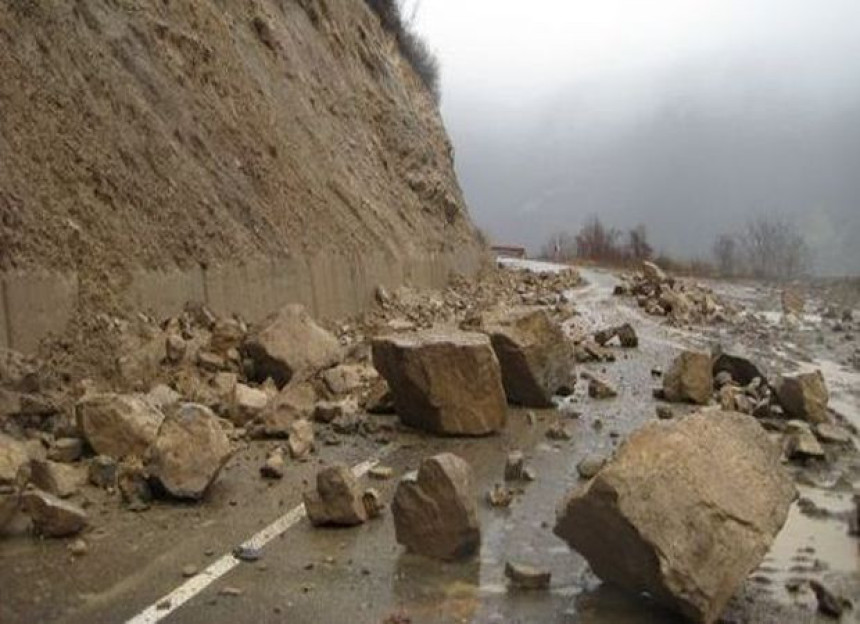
(687, 123)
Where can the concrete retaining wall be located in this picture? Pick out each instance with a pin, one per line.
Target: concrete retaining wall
(37, 304)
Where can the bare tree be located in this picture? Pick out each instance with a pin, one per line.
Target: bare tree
(725, 252)
(598, 242)
(774, 249)
(638, 247)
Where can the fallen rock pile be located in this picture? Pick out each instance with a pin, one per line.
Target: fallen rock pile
(682, 302)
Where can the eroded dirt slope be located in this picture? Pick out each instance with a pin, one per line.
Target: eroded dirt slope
(154, 133)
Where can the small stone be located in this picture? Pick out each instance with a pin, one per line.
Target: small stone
(230, 591)
(175, 347)
(723, 378)
(529, 474)
(381, 473)
(247, 554)
(210, 361)
(600, 389)
(189, 571)
(301, 438)
(248, 403)
(558, 431)
(831, 434)
(79, 548)
(328, 411)
(803, 445)
(66, 450)
(526, 576)
(590, 466)
(275, 465)
(514, 465)
(337, 499)
(52, 516)
(372, 503)
(500, 496)
(664, 412)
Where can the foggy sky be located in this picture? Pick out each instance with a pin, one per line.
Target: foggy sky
(686, 115)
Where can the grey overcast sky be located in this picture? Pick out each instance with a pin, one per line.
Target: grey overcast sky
(685, 115)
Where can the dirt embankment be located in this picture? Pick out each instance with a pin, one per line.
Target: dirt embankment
(154, 135)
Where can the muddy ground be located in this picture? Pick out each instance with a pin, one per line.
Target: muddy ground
(362, 575)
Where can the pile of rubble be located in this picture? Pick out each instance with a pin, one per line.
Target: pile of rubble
(682, 302)
(464, 300)
(196, 387)
(793, 406)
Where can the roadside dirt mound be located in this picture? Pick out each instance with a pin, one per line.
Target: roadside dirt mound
(155, 134)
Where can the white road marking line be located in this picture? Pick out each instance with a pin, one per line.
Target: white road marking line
(196, 584)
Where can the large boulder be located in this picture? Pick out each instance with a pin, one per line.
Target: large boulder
(684, 512)
(535, 357)
(118, 425)
(189, 452)
(435, 511)
(443, 382)
(337, 500)
(804, 396)
(291, 344)
(689, 378)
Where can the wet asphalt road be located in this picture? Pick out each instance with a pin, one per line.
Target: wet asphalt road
(361, 575)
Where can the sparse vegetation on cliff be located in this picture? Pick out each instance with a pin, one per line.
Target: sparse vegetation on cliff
(413, 48)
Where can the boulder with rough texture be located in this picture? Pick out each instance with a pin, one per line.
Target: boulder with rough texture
(443, 382)
(189, 452)
(52, 516)
(804, 396)
(536, 359)
(118, 425)
(684, 512)
(292, 344)
(435, 511)
(337, 499)
(689, 378)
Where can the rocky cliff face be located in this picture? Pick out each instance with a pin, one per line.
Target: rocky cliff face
(156, 135)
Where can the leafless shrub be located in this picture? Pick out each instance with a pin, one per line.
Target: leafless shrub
(769, 248)
(596, 242)
(413, 48)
